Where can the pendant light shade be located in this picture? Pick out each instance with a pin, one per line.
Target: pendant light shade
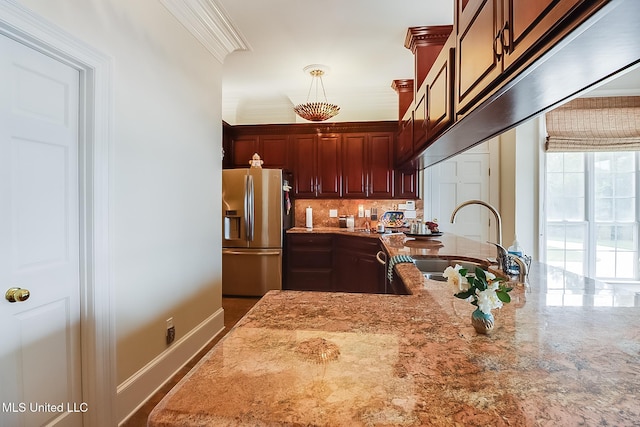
(317, 111)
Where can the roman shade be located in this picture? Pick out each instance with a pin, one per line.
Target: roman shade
(595, 124)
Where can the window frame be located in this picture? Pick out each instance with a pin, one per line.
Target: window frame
(590, 253)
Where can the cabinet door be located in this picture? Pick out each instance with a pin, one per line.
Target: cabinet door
(440, 94)
(406, 185)
(309, 262)
(304, 175)
(355, 266)
(274, 150)
(419, 121)
(404, 144)
(329, 170)
(528, 22)
(380, 159)
(227, 146)
(354, 165)
(479, 49)
(243, 150)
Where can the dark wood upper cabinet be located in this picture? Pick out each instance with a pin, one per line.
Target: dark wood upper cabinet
(479, 49)
(406, 185)
(419, 133)
(354, 165)
(404, 143)
(497, 37)
(304, 165)
(440, 82)
(273, 150)
(367, 169)
(329, 169)
(353, 160)
(380, 161)
(525, 23)
(425, 43)
(243, 149)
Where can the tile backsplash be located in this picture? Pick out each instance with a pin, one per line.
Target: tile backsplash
(345, 207)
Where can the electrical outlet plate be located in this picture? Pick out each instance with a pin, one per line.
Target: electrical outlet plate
(333, 213)
(171, 334)
(171, 331)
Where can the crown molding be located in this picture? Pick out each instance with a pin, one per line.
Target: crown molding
(402, 85)
(312, 128)
(209, 24)
(434, 35)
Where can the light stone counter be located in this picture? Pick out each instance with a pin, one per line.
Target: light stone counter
(565, 351)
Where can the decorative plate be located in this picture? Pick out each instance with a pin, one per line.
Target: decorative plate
(392, 219)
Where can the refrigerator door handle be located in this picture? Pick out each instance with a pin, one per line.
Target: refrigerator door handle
(247, 214)
(250, 195)
(232, 252)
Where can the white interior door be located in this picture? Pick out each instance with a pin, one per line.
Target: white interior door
(461, 178)
(39, 244)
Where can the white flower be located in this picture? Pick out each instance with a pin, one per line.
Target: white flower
(488, 299)
(454, 277)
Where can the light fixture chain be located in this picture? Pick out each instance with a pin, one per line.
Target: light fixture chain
(323, 91)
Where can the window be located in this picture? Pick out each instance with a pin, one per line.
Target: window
(592, 213)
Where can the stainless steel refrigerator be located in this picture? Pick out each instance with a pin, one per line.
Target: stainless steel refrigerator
(256, 210)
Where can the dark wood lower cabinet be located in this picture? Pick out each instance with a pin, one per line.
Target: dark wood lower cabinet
(355, 266)
(309, 262)
(337, 263)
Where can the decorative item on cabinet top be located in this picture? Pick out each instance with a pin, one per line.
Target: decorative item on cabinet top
(255, 161)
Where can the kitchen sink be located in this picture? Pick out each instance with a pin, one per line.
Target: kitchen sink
(435, 276)
(432, 265)
(432, 268)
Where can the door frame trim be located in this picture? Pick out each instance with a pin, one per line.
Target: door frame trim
(94, 125)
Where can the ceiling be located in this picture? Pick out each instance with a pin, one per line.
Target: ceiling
(361, 41)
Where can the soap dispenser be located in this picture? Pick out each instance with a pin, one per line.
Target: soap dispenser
(515, 249)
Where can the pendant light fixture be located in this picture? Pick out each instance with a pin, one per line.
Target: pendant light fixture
(317, 111)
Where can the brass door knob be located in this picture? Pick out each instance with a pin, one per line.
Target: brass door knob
(17, 295)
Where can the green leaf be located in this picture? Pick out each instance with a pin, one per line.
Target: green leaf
(463, 272)
(465, 294)
(503, 296)
(480, 274)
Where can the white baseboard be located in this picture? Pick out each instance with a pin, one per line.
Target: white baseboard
(137, 389)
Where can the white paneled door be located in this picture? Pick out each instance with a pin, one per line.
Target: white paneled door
(40, 363)
(461, 178)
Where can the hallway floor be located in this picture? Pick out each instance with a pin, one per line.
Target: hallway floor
(234, 309)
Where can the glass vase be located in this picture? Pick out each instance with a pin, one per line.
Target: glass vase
(482, 322)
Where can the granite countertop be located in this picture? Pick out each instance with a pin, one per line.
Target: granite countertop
(356, 232)
(565, 351)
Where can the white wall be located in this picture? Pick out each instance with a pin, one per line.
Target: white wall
(165, 170)
(519, 185)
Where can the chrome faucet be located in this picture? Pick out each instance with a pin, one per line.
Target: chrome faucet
(523, 269)
(503, 258)
(488, 206)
